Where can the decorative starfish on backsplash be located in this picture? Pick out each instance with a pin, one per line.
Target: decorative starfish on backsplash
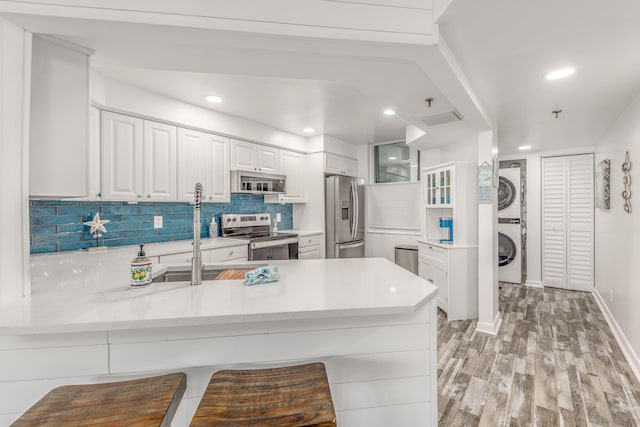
(97, 226)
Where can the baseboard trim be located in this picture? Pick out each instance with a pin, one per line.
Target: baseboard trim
(627, 350)
(534, 284)
(490, 328)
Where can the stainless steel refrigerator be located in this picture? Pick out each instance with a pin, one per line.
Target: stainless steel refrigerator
(344, 216)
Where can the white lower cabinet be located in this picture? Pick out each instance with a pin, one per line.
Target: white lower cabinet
(453, 270)
(227, 253)
(310, 246)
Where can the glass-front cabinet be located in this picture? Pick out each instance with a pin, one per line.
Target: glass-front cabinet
(437, 184)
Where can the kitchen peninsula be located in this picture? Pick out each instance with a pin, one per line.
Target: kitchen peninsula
(371, 322)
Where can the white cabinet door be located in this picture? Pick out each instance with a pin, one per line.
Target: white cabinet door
(267, 159)
(195, 156)
(243, 155)
(159, 183)
(333, 164)
(309, 252)
(440, 279)
(253, 157)
(340, 165)
(350, 167)
(218, 190)
(121, 157)
(93, 153)
(58, 120)
(293, 165)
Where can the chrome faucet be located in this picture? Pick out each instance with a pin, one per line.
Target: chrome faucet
(196, 261)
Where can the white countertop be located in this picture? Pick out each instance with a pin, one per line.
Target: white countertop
(445, 245)
(76, 292)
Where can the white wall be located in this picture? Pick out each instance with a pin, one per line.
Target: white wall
(15, 78)
(617, 234)
(465, 150)
(127, 98)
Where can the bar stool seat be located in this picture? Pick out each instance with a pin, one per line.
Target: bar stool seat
(144, 402)
(292, 396)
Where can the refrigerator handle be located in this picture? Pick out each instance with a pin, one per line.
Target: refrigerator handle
(354, 200)
(351, 245)
(357, 215)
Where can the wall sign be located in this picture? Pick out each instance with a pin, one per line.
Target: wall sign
(485, 183)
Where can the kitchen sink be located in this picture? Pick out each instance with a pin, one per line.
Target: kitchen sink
(183, 273)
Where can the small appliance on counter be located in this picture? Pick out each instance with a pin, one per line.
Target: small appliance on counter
(447, 224)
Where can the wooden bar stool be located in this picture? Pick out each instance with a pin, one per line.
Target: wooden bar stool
(292, 396)
(144, 402)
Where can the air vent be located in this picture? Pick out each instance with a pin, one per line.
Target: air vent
(438, 119)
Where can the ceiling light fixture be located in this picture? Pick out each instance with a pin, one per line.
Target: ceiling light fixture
(559, 74)
(392, 158)
(308, 130)
(214, 99)
(524, 147)
(389, 112)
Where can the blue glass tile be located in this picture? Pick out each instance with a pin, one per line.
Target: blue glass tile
(41, 211)
(49, 220)
(75, 210)
(121, 210)
(68, 228)
(122, 242)
(43, 229)
(75, 246)
(42, 249)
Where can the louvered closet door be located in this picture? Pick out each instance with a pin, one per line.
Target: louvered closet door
(580, 222)
(567, 222)
(554, 222)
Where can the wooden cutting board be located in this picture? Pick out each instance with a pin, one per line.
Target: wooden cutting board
(233, 274)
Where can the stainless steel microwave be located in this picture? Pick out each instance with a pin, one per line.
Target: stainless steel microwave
(257, 182)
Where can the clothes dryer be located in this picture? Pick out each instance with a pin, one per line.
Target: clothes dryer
(509, 250)
(509, 193)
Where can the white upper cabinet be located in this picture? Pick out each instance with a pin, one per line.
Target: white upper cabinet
(253, 157)
(138, 159)
(293, 166)
(58, 120)
(121, 157)
(159, 181)
(340, 165)
(203, 158)
(220, 184)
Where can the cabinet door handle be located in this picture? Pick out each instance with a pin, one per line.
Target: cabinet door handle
(231, 252)
(430, 280)
(139, 196)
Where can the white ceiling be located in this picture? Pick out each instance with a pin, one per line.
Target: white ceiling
(340, 87)
(506, 47)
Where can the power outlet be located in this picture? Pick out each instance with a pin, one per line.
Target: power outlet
(610, 295)
(157, 221)
(278, 217)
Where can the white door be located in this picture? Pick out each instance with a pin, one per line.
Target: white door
(567, 222)
(160, 180)
(195, 155)
(121, 157)
(218, 189)
(580, 222)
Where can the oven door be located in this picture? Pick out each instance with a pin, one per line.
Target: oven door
(268, 250)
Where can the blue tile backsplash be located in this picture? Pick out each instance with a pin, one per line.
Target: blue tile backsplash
(57, 226)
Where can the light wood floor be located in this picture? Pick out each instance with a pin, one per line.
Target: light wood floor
(554, 362)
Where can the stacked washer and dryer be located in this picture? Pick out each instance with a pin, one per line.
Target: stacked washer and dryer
(510, 226)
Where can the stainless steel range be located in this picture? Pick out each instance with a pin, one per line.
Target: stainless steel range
(263, 245)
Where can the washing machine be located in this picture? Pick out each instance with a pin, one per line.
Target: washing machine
(509, 193)
(509, 250)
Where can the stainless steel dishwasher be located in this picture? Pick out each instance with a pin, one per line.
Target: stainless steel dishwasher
(407, 257)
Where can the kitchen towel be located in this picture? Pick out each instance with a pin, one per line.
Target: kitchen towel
(260, 275)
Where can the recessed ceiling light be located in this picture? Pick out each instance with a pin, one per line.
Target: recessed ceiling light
(392, 158)
(389, 112)
(213, 98)
(524, 147)
(559, 74)
(308, 130)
